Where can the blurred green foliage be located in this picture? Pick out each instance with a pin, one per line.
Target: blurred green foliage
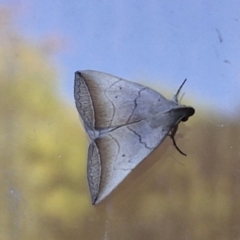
(43, 187)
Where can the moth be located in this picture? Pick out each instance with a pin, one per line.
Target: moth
(125, 122)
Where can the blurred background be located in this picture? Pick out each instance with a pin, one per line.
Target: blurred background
(43, 147)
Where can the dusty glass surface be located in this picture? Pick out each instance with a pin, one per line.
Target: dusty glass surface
(43, 188)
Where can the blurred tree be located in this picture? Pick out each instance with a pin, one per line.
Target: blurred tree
(41, 177)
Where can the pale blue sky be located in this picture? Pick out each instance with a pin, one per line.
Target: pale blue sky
(156, 42)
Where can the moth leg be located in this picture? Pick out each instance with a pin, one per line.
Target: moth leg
(171, 135)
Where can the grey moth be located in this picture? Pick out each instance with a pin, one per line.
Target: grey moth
(125, 122)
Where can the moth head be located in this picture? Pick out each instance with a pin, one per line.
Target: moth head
(189, 111)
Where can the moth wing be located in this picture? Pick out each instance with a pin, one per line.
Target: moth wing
(105, 101)
(112, 157)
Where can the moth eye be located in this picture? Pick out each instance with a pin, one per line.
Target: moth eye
(123, 155)
(116, 96)
(184, 119)
(120, 88)
(159, 100)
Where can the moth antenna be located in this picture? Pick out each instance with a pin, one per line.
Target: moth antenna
(181, 97)
(175, 97)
